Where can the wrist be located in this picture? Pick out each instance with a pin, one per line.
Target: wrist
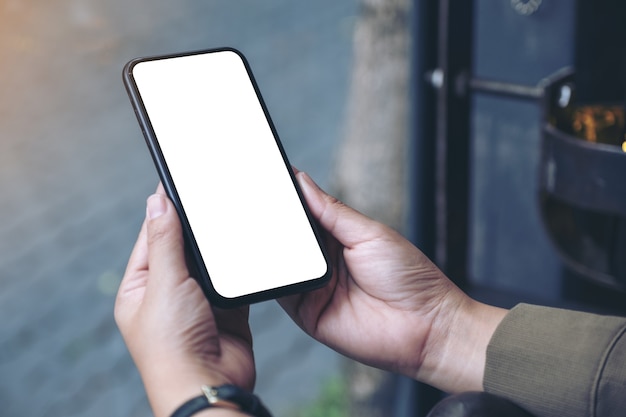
(219, 412)
(167, 390)
(454, 359)
(225, 397)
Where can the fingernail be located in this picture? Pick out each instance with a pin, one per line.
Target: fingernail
(311, 191)
(307, 182)
(155, 206)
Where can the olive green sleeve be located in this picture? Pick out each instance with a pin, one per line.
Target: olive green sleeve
(559, 363)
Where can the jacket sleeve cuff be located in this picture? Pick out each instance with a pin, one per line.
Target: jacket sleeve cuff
(557, 362)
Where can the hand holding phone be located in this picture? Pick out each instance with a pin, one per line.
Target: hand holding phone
(248, 231)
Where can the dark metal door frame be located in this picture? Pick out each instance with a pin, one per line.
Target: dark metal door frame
(438, 224)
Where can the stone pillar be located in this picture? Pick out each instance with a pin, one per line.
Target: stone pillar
(370, 169)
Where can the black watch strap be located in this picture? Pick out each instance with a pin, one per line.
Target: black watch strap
(224, 396)
(247, 402)
(192, 406)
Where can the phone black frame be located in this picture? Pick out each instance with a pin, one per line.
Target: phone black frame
(195, 262)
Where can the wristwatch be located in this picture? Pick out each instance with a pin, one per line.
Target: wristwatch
(224, 396)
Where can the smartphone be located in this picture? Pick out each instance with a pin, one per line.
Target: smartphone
(249, 234)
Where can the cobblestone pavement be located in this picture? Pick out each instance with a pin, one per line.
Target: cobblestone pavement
(74, 175)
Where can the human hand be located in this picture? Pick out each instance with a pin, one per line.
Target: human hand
(175, 338)
(387, 305)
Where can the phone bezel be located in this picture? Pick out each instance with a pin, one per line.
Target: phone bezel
(195, 261)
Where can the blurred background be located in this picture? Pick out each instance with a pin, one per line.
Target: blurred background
(75, 173)
(491, 133)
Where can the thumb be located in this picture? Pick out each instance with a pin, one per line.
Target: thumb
(346, 224)
(166, 256)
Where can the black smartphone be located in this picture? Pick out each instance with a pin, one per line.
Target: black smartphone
(248, 231)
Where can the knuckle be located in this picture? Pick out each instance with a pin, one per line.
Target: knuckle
(157, 233)
(333, 200)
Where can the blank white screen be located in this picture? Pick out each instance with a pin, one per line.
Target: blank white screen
(233, 184)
